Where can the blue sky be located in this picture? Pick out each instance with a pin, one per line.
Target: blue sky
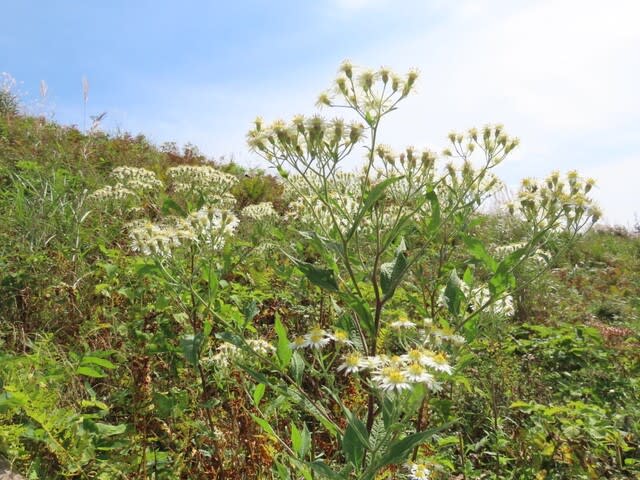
(562, 75)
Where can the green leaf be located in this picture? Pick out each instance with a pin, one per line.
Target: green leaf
(435, 221)
(374, 195)
(479, 252)
(169, 205)
(355, 440)
(297, 367)
(323, 278)
(258, 393)
(391, 273)
(503, 278)
(362, 310)
(296, 439)
(89, 372)
(323, 469)
(453, 293)
(101, 362)
(283, 351)
(250, 310)
(191, 345)
(400, 450)
(265, 426)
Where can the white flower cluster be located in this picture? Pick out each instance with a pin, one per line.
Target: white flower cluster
(318, 337)
(261, 212)
(399, 372)
(136, 179)
(538, 256)
(202, 180)
(152, 239)
(557, 203)
(211, 225)
(116, 192)
(344, 192)
(477, 297)
(227, 353)
(208, 225)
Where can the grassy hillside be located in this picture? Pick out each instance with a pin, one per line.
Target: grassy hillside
(177, 358)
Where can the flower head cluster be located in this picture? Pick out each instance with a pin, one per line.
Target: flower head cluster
(156, 239)
(227, 353)
(344, 194)
(556, 203)
(261, 212)
(202, 180)
(367, 91)
(312, 140)
(136, 179)
(538, 256)
(318, 337)
(209, 226)
(116, 192)
(212, 225)
(401, 372)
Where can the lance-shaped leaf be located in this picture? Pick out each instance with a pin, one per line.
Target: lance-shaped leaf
(503, 278)
(391, 273)
(454, 294)
(479, 252)
(321, 277)
(374, 195)
(191, 345)
(283, 350)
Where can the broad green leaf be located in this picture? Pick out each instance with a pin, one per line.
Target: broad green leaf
(434, 223)
(321, 277)
(297, 367)
(362, 311)
(169, 205)
(400, 450)
(323, 469)
(250, 310)
(355, 440)
(391, 273)
(258, 393)
(283, 350)
(374, 195)
(503, 278)
(479, 252)
(453, 293)
(296, 439)
(89, 372)
(101, 362)
(191, 345)
(231, 338)
(268, 429)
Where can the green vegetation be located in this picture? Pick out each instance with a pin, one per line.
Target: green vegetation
(168, 317)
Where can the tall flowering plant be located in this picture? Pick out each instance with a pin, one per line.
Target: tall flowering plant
(383, 247)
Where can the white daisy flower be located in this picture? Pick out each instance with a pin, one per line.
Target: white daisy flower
(317, 338)
(392, 379)
(352, 363)
(419, 471)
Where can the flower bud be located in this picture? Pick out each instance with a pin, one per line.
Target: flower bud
(323, 100)
(341, 83)
(347, 69)
(396, 83)
(384, 75)
(366, 80)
